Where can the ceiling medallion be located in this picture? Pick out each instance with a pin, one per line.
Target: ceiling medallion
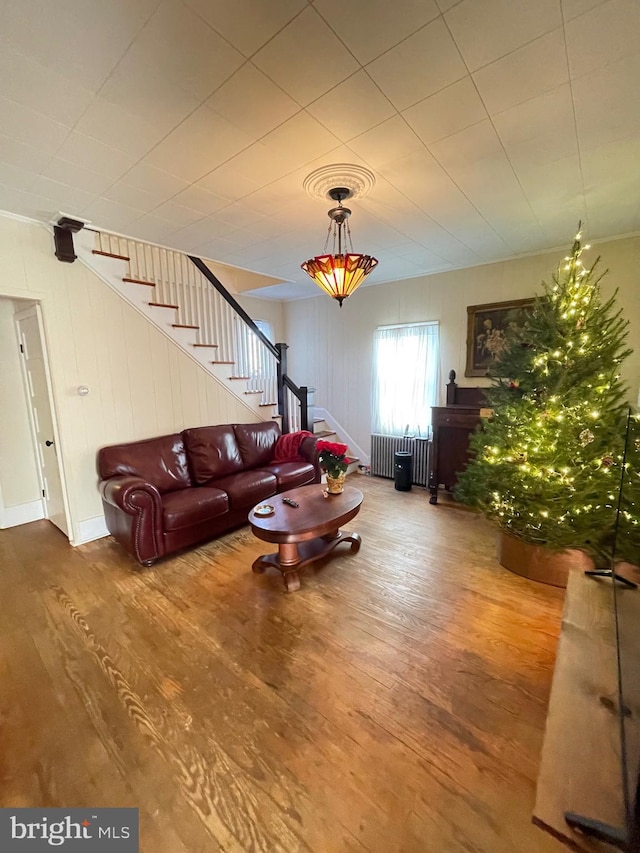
(322, 181)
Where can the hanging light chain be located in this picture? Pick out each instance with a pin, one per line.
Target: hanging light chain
(348, 244)
(340, 230)
(326, 242)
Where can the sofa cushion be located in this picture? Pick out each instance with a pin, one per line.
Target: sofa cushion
(160, 461)
(191, 506)
(290, 475)
(247, 488)
(257, 442)
(213, 452)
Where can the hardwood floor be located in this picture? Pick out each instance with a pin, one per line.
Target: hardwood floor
(395, 703)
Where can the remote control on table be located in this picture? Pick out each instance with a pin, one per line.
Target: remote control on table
(289, 502)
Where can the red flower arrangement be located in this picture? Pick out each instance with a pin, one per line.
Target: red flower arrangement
(331, 456)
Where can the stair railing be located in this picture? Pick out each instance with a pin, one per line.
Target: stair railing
(255, 357)
(293, 400)
(219, 321)
(296, 407)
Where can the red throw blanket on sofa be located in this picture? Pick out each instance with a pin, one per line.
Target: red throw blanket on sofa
(287, 446)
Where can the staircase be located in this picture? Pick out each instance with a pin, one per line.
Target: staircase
(182, 297)
(322, 429)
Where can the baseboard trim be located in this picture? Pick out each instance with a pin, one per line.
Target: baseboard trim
(90, 529)
(13, 516)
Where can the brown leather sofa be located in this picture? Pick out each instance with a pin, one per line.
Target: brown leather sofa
(163, 494)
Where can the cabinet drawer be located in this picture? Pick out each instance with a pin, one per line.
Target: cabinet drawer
(456, 419)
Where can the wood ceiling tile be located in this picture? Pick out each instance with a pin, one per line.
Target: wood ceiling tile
(448, 111)
(306, 58)
(422, 64)
(251, 101)
(371, 27)
(353, 107)
(485, 30)
(526, 73)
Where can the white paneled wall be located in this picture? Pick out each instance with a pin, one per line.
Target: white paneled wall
(332, 347)
(140, 385)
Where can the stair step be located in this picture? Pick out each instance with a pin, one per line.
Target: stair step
(110, 255)
(324, 433)
(132, 277)
(139, 281)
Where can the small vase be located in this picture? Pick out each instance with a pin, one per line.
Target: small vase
(335, 485)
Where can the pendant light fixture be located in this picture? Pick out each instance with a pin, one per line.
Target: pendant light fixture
(341, 272)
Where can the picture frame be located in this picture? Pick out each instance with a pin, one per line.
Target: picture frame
(486, 325)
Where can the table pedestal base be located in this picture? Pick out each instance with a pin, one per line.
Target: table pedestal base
(292, 556)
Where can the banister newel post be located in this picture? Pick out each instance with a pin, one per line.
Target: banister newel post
(304, 408)
(282, 372)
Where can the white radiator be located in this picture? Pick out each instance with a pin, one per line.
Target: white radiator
(383, 448)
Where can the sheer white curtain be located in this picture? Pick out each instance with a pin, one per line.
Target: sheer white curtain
(405, 378)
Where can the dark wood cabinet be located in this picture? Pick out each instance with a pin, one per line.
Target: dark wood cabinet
(452, 426)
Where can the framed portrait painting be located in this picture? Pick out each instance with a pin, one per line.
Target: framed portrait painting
(486, 327)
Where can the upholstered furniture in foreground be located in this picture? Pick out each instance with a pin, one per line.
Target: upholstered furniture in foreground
(163, 494)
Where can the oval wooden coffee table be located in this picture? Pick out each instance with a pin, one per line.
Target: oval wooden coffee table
(307, 532)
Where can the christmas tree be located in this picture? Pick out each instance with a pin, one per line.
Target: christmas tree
(547, 465)
(627, 546)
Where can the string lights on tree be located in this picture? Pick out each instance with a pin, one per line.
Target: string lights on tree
(547, 465)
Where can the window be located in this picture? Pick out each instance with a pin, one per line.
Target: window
(255, 355)
(405, 378)
(266, 328)
(253, 360)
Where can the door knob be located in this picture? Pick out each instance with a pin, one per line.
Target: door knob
(48, 443)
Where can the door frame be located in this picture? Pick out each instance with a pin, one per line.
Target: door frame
(24, 313)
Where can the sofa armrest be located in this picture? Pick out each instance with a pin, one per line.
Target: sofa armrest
(309, 451)
(133, 512)
(131, 494)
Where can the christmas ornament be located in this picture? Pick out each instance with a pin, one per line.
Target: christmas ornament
(608, 461)
(515, 383)
(586, 437)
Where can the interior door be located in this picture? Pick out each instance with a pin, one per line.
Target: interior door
(30, 338)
